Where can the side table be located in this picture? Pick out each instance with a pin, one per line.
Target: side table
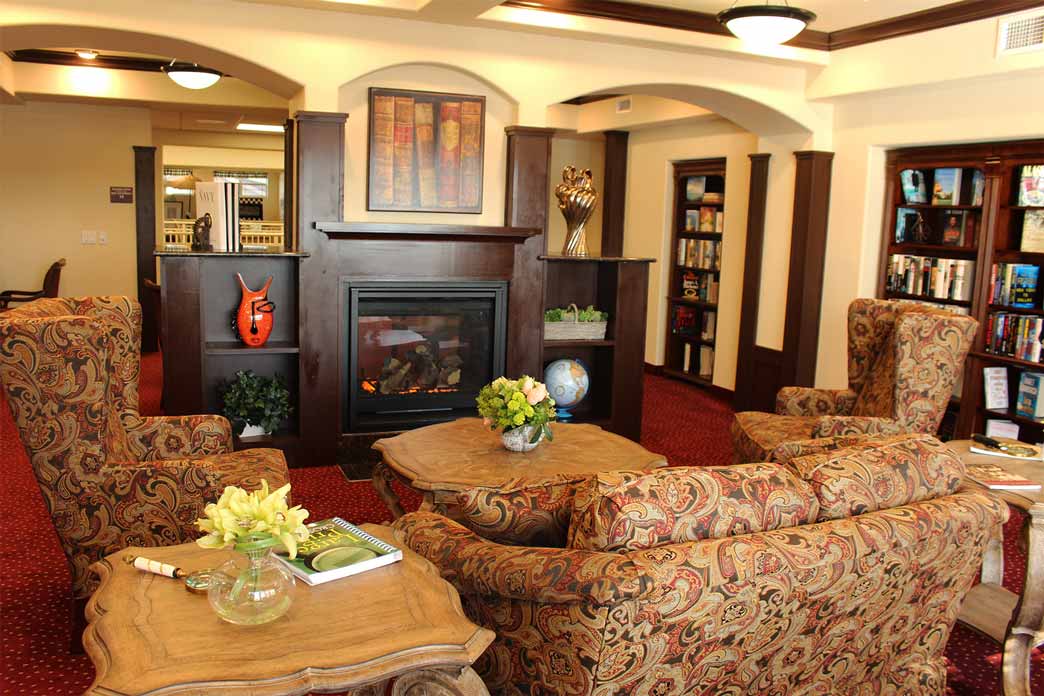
(400, 625)
(1015, 622)
(442, 460)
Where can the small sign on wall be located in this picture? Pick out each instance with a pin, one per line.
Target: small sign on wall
(121, 194)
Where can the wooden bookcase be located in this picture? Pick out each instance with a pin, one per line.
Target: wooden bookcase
(692, 313)
(996, 239)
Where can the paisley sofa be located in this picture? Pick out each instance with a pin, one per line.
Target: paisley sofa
(110, 477)
(903, 360)
(839, 572)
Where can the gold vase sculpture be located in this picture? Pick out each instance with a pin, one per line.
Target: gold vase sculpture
(577, 199)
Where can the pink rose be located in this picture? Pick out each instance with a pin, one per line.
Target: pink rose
(536, 395)
(527, 385)
(487, 422)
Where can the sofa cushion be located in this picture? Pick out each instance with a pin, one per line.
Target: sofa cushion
(631, 510)
(883, 473)
(532, 514)
(802, 448)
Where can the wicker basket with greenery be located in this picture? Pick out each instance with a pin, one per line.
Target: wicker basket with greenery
(573, 324)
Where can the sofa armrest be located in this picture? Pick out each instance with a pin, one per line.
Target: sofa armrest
(835, 426)
(805, 401)
(177, 437)
(549, 576)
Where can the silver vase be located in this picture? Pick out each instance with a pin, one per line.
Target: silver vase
(577, 199)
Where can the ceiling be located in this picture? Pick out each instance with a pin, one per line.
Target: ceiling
(831, 14)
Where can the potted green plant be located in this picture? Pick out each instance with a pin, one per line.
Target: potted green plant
(255, 405)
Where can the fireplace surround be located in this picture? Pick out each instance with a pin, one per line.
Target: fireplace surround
(418, 352)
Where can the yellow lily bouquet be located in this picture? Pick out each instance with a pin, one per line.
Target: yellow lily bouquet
(253, 520)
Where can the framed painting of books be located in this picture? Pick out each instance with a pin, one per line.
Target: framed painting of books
(425, 151)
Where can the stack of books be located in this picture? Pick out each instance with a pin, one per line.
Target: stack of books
(941, 278)
(699, 286)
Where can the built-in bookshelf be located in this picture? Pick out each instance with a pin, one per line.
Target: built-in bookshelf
(964, 230)
(697, 240)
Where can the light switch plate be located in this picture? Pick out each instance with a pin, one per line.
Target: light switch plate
(88, 237)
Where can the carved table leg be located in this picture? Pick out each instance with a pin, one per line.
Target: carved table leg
(993, 558)
(1028, 622)
(382, 480)
(436, 682)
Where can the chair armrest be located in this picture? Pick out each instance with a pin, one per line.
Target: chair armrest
(805, 401)
(834, 426)
(177, 437)
(476, 566)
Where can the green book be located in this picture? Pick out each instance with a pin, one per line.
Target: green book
(336, 549)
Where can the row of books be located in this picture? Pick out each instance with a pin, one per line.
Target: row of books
(696, 190)
(946, 186)
(705, 220)
(704, 357)
(951, 228)
(689, 323)
(699, 253)
(1014, 284)
(699, 286)
(425, 153)
(940, 278)
(1014, 335)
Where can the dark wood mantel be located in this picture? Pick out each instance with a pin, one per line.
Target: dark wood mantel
(422, 232)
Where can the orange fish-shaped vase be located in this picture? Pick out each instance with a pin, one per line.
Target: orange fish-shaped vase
(253, 320)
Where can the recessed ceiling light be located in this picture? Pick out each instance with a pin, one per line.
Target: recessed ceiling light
(765, 24)
(191, 76)
(260, 127)
(86, 53)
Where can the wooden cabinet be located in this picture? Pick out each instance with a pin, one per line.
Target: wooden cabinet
(992, 235)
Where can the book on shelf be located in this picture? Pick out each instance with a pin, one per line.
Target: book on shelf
(1031, 185)
(694, 188)
(686, 357)
(683, 320)
(692, 220)
(995, 387)
(706, 362)
(954, 227)
(1028, 402)
(1000, 428)
(403, 170)
(996, 478)
(336, 549)
(914, 188)
(713, 197)
(1033, 232)
(449, 154)
(978, 187)
(383, 155)
(709, 322)
(719, 221)
(947, 187)
(706, 219)
(906, 226)
(424, 120)
(690, 285)
(1014, 284)
(930, 276)
(1014, 335)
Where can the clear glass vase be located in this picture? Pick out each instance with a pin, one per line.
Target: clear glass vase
(252, 589)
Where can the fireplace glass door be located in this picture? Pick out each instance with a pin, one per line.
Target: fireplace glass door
(421, 353)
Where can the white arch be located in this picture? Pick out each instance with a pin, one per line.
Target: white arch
(435, 64)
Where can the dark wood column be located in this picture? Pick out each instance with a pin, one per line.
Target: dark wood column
(289, 179)
(751, 389)
(526, 204)
(319, 193)
(145, 230)
(614, 195)
(807, 258)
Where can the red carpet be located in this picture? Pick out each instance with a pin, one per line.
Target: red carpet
(681, 422)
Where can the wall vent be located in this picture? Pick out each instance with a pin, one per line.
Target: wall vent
(623, 106)
(1021, 33)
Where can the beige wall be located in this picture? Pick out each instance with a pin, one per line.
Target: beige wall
(582, 152)
(500, 113)
(648, 223)
(58, 163)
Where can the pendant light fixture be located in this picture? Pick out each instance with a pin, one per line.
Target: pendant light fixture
(191, 76)
(765, 24)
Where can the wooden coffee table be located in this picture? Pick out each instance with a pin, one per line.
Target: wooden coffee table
(441, 460)
(989, 607)
(401, 623)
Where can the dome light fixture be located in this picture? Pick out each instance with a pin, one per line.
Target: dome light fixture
(86, 53)
(191, 75)
(766, 25)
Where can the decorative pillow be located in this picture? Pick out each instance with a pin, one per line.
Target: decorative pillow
(632, 510)
(530, 515)
(885, 473)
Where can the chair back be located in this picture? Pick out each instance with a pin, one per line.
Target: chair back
(52, 278)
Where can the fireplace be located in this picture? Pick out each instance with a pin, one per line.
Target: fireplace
(419, 352)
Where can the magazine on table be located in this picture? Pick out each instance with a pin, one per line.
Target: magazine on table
(336, 549)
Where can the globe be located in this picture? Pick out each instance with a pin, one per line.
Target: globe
(568, 383)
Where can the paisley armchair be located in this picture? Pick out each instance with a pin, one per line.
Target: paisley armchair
(903, 360)
(111, 478)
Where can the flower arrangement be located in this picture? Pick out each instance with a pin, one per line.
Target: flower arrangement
(254, 520)
(507, 404)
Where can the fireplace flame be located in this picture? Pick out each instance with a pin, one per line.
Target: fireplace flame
(370, 386)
